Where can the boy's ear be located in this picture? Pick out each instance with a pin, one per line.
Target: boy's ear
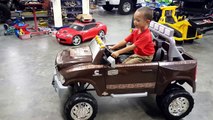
(148, 21)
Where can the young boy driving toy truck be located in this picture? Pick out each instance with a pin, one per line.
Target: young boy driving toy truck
(141, 39)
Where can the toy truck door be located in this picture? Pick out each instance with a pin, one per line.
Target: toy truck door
(130, 78)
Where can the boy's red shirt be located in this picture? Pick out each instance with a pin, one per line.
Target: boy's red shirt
(143, 42)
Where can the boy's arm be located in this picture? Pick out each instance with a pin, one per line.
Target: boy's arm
(118, 45)
(124, 50)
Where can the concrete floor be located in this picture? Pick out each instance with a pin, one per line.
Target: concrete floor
(27, 69)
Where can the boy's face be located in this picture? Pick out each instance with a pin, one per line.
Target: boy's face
(139, 21)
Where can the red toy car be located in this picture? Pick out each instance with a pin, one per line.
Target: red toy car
(80, 31)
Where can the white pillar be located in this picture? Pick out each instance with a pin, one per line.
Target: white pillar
(85, 6)
(57, 13)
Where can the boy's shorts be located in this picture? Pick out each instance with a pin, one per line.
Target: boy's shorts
(133, 59)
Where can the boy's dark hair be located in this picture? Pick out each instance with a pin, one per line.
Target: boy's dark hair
(147, 12)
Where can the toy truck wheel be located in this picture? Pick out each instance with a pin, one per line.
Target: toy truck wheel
(189, 41)
(6, 26)
(169, 89)
(173, 87)
(159, 99)
(177, 104)
(81, 106)
(76, 40)
(157, 14)
(108, 7)
(179, 42)
(5, 33)
(125, 7)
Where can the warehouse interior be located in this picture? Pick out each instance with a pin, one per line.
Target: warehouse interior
(27, 69)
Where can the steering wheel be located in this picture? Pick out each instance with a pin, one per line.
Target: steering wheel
(108, 53)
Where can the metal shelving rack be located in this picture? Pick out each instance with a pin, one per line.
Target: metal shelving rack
(69, 10)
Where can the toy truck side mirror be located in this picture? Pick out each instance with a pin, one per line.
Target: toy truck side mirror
(111, 60)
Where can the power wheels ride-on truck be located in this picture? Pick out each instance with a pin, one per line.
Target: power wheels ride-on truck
(124, 6)
(91, 68)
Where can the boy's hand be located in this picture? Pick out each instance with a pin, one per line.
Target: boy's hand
(115, 54)
(110, 47)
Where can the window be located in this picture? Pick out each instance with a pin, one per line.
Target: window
(76, 27)
(87, 27)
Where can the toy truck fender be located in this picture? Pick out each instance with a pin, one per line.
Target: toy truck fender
(180, 67)
(180, 71)
(91, 74)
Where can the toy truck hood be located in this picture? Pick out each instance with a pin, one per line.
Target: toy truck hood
(70, 57)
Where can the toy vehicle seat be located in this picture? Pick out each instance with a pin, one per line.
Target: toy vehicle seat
(169, 14)
(169, 17)
(122, 57)
(161, 48)
(21, 26)
(159, 51)
(164, 35)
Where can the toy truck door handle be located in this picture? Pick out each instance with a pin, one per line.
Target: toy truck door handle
(112, 72)
(147, 70)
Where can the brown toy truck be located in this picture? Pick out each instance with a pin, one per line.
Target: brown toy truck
(82, 69)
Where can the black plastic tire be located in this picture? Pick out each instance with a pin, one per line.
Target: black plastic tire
(157, 14)
(102, 34)
(4, 13)
(159, 99)
(108, 7)
(6, 26)
(177, 104)
(76, 40)
(179, 43)
(173, 87)
(5, 34)
(169, 89)
(83, 99)
(189, 41)
(125, 7)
